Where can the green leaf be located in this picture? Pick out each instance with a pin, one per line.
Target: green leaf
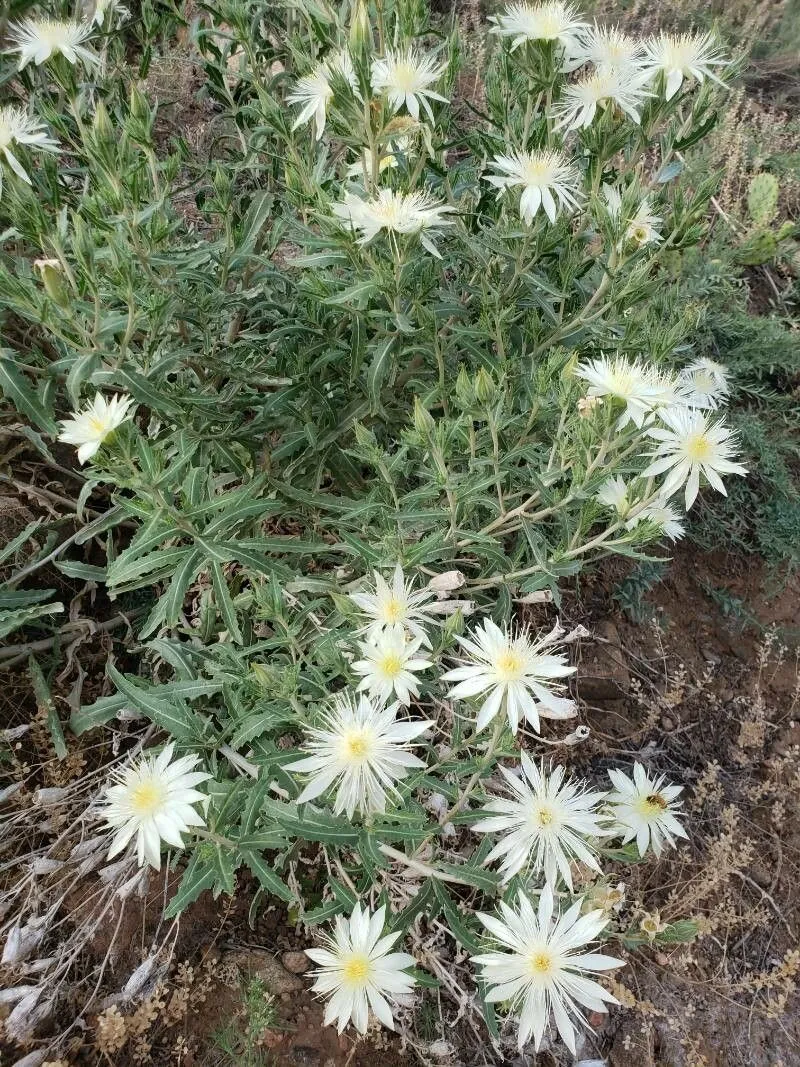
(13, 620)
(200, 875)
(170, 714)
(466, 936)
(488, 881)
(45, 703)
(269, 878)
(97, 714)
(225, 604)
(22, 395)
(377, 373)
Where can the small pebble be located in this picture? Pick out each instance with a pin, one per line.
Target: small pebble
(296, 962)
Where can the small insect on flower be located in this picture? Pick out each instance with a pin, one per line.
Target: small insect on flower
(396, 607)
(607, 87)
(607, 48)
(37, 40)
(539, 22)
(690, 445)
(643, 809)
(415, 213)
(17, 127)
(154, 800)
(641, 226)
(546, 825)
(314, 91)
(639, 387)
(536, 969)
(517, 676)
(363, 749)
(685, 55)
(389, 666)
(358, 971)
(406, 77)
(90, 428)
(705, 383)
(546, 178)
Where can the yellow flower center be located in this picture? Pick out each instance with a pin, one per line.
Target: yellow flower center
(540, 963)
(698, 448)
(704, 381)
(653, 804)
(543, 816)
(146, 798)
(391, 664)
(509, 666)
(356, 969)
(393, 610)
(640, 234)
(405, 78)
(537, 172)
(357, 746)
(97, 426)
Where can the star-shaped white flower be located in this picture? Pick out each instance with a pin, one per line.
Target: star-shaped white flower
(639, 387)
(398, 606)
(546, 178)
(536, 968)
(362, 749)
(154, 800)
(691, 445)
(17, 127)
(314, 91)
(37, 40)
(358, 972)
(406, 77)
(88, 429)
(413, 213)
(516, 676)
(705, 383)
(685, 55)
(603, 87)
(539, 22)
(661, 514)
(606, 48)
(644, 809)
(546, 824)
(389, 666)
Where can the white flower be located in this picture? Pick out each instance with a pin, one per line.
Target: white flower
(660, 514)
(643, 809)
(515, 673)
(640, 228)
(685, 55)
(358, 972)
(362, 168)
(537, 969)
(577, 108)
(388, 667)
(396, 607)
(640, 388)
(545, 825)
(539, 22)
(18, 127)
(362, 747)
(405, 77)
(154, 800)
(544, 177)
(314, 91)
(88, 429)
(705, 383)
(37, 40)
(691, 445)
(102, 9)
(606, 48)
(415, 213)
(614, 494)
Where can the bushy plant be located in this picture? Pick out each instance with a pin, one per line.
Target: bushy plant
(392, 376)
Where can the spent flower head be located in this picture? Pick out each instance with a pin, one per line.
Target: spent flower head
(406, 77)
(536, 968)
(539, 22)
(17, 127)
(37, 40)
(516, 676)
(154, 800)
(545, 825)
(644, 809)
(684, 55)
(641, 227)
(358, 972)
(547, 179)
(389, 665)
(660, 514)
(689, 446)
(361, 749)
(91, 427)
(398, 606)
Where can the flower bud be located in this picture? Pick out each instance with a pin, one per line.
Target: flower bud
(51, 272)
(465, 394)
(360, 38)
(424, 422)
(485, 388)
(365, 438)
